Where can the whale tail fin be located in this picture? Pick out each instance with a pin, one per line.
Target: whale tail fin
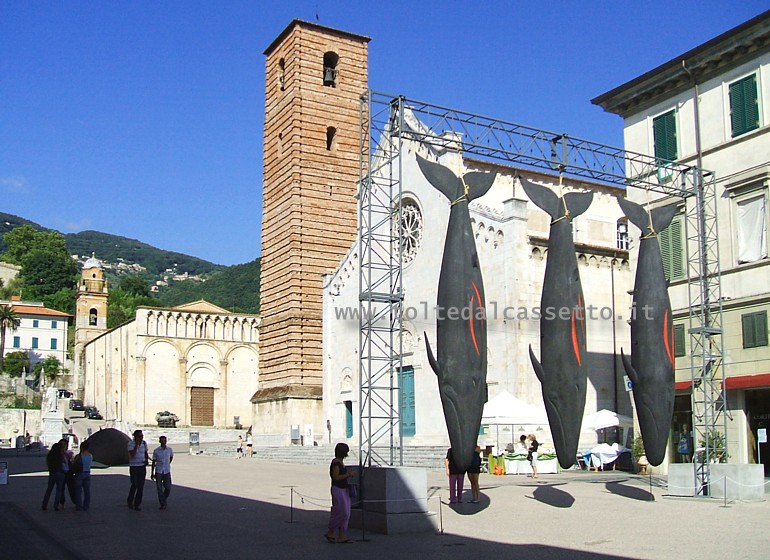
(547, 200)
(444, 179)
(478, 183)
(578, 202)
(431, 359)
(660, 217)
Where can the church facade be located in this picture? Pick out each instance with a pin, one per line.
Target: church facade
(197, 360)
(512, 243)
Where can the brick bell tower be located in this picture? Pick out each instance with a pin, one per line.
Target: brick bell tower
(315, 76)
(90, 314)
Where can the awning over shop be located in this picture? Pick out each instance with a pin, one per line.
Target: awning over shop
(748, 381)
(683, 385)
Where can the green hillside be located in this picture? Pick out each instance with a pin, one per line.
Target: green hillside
(235, 288)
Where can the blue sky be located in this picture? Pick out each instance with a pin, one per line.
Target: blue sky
(144, 119)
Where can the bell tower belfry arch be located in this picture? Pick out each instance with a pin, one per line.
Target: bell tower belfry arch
(90, 313)
(314, 79)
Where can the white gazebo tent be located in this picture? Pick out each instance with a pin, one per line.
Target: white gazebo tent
(506, 410)
(602, 419)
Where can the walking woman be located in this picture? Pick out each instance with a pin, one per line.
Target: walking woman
(456, 478)
(83, 478)
(340, 514)
(56, 462)
(533, 445)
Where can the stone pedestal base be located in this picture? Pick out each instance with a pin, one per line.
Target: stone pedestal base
(395, 500)
(738, 482)
(735, 482)
(53, 428)
(681, 479)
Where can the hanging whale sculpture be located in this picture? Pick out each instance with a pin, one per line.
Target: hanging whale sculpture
(562, 370)
(461, 338)
(651, 368)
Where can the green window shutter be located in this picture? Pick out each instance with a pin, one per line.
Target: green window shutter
(672, 250)
(754, 329)
(679, 344)
(760, 325)
(747, 324)
(664, 136)
(744, 105)
(664, 240)
(677, 252)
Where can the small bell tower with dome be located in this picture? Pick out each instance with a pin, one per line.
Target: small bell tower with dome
(90, 312)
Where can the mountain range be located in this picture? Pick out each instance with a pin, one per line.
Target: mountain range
(234, 287)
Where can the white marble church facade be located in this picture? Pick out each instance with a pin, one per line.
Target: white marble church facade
(511, 240)
(197, 360)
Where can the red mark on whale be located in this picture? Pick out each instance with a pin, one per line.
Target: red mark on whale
(668, 338)
(473, 316)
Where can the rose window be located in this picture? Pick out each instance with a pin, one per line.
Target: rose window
(411, 230)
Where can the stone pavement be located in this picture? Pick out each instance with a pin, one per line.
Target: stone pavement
(240, 508)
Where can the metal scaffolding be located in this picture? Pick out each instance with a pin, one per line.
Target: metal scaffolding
(705, 330)
(380, 292)
(386, 120)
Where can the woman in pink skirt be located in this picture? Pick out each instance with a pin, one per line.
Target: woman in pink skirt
(340, 514)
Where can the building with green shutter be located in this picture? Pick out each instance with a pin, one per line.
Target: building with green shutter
(710, 107)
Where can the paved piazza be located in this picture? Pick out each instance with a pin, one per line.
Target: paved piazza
(227, 508)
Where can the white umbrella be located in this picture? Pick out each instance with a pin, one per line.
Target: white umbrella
(506, 410)
(606, 419)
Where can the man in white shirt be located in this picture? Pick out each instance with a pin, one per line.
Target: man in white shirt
(137, 469)
(161, 470)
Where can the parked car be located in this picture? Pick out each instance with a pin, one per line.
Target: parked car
(65, 394)
(166, 419)
(92, 413)
(76, 404)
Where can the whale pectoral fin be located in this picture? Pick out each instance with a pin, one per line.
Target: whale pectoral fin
(536, 365)
(578, 202)
(661, 217)
(478, 183)
(442, 178)
(543, 197)
(632, 375)
(431, 359)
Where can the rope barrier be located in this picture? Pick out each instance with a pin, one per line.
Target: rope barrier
(310, 499)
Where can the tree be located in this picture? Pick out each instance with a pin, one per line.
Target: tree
(51, 366)
(9, 321)
(63, 300)
(20, 241)
(45, 273)
(122, 307)
(135, 285)
(16, 363)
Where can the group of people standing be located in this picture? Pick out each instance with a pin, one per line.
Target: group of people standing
(138, 458)
(74, 473)
(70, 471)
(249, 446)
(457, 476)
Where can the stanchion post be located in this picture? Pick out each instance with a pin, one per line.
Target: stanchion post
(291, 503)
(652, 497)
(440, 516)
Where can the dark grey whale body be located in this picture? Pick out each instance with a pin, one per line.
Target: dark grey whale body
(562, 370)
(461, 336)
(651, 368)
